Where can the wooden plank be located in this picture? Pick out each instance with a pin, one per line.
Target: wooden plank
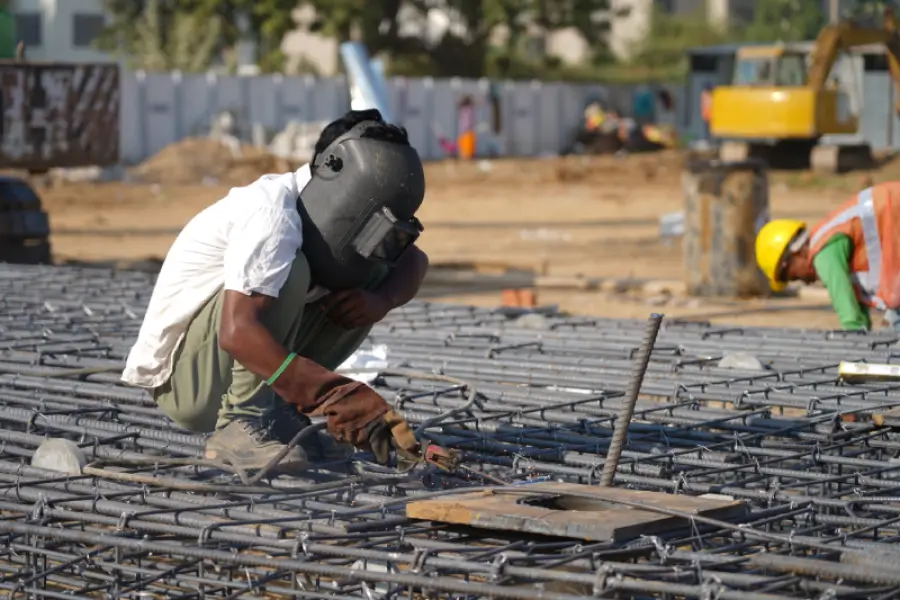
(868, 372)
(553, 509)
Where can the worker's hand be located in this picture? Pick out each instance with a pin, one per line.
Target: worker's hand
(389, 432)
(355, 309)
(351, 411)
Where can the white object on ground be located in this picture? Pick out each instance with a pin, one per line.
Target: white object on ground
(671, 225)
(742, 361)
(56, 454)
(375, 358)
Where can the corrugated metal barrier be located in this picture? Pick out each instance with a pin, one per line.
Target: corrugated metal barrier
(514, 118)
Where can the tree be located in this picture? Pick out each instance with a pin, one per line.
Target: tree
(663, 51)
(870, 10)
(161, 34)
(160, 37)
(449, 38)
(444, 38)
(786, 21)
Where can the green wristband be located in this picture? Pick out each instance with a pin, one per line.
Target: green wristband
(281, 369)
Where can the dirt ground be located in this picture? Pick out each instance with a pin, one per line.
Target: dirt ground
(598, 217)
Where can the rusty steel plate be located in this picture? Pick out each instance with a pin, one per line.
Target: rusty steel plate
(58, 115)
(554, 510)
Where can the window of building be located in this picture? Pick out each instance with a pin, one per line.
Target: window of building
(29, 29)
(704, 64)
(86, 28)
(875, 62)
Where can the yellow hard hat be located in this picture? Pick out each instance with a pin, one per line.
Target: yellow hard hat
(771, 243)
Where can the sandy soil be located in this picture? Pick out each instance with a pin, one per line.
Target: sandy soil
(592, 216)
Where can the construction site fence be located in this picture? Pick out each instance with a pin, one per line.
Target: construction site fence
(526, 119)
(58, 115)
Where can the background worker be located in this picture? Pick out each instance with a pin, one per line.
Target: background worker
(706, 110)
(854, 252)
(264, 293)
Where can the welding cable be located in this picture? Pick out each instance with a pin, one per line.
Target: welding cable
(365, 469)
(299, 437)
(372, 469)
(471, 396)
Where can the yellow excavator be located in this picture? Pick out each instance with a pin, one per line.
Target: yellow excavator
(778, 109)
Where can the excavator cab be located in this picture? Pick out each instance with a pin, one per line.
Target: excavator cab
(770, 98)
(770, 66)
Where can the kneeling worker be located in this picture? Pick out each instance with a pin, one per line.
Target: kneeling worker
(264, 293)
(854, 252)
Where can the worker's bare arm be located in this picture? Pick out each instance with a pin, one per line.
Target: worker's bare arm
(357, 308)
(243, 335)
(404, 282)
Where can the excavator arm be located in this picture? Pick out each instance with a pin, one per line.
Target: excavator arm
(834, 39)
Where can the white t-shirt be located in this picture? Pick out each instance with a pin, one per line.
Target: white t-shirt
(245, 242)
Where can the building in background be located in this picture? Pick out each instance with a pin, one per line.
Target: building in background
(309, 52)
(60, 30)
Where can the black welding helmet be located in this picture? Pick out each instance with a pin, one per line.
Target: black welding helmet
(358, 210)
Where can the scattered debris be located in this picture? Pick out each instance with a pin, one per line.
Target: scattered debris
(741, 361)
(297, 141)
(533, 321)
(671, 225)
(544, 234)
(57, 454)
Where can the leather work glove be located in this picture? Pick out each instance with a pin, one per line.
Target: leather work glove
(350, 411)
(389, 432)
(354, 412)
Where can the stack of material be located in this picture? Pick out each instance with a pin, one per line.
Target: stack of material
(24, 225)
(800, 483)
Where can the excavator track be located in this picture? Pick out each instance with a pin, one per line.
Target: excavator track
(840, 158)
(801, 154)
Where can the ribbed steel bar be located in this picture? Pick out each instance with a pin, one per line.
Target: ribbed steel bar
(623, 419)
(525, 396)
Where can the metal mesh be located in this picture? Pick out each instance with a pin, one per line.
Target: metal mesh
(526, 397)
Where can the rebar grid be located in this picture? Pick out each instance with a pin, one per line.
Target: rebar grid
(526, 397)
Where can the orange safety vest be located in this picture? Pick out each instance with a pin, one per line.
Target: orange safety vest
(706, 105)
(871, 220)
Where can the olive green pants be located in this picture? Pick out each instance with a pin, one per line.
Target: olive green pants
(208, 388)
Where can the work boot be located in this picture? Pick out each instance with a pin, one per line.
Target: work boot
(249, 444)
(320, 447)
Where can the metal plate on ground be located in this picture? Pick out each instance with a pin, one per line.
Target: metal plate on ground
(572, 511)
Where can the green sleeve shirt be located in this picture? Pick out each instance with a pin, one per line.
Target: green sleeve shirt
(832, 265)
(8, 39)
